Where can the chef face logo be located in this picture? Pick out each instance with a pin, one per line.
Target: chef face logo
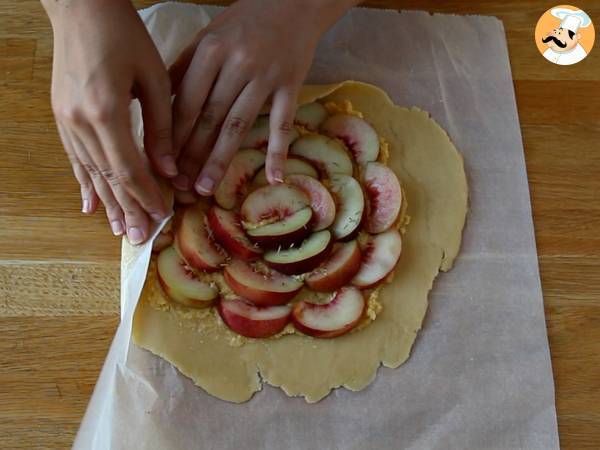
(561, 40)
(564, 35)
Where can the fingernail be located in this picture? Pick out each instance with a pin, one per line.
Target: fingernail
(205, 186)
(181, 182)
(86, 207)
(278, 176)
(117, 227)
(168, 163)
(135, 235)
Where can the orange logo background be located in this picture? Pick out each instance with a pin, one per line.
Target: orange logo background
(548, 22)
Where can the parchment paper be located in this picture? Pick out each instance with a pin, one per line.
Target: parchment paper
(480, 373)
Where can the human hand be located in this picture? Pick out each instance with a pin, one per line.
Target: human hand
(102, 57)
(254, 51)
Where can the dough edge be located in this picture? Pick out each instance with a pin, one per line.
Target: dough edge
(432, 174)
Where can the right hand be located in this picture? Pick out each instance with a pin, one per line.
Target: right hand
(103, 56)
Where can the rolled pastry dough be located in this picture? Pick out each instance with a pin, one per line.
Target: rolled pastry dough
(432, 174)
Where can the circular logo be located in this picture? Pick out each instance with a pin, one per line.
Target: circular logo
(564, 35)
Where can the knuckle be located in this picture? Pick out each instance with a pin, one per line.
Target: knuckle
(208, 119)
(126, 178)
(244, 61)
(275, 71)
(277, 156)
(91, 169)
(101, 111)
(132, 214)
(121, 177)
(111, 206)
(69, 113)
(86, 186)
(108, 175)
(285, 128)
(211, 45)
(161, 134)
(236, 126)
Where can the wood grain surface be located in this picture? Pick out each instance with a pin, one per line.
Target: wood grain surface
(52, 256)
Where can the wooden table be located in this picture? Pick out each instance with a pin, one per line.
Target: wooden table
(50, 253)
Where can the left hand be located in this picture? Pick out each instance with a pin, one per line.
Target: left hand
(256, 50)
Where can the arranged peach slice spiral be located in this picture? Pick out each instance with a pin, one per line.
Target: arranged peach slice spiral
(304, 252)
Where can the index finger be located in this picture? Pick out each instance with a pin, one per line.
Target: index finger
(281, 128)
(127, 165)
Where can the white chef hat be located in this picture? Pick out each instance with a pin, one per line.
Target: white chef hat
(571, 19)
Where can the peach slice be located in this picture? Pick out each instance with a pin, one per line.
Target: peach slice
(251, 320)
(328, 155)
(293, 166)
(350, 206)
(321, 201)
(384, 197)
(242, 168)
(338, 270)
(342, 313)
(258, 136)
(285, 232)
(260, 284)
(303, 258)
(179, 281)
(358, 135)
(380, 255)
(311, 116)
(194, 240)
(227, 231)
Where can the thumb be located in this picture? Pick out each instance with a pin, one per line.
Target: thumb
(154, 93)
